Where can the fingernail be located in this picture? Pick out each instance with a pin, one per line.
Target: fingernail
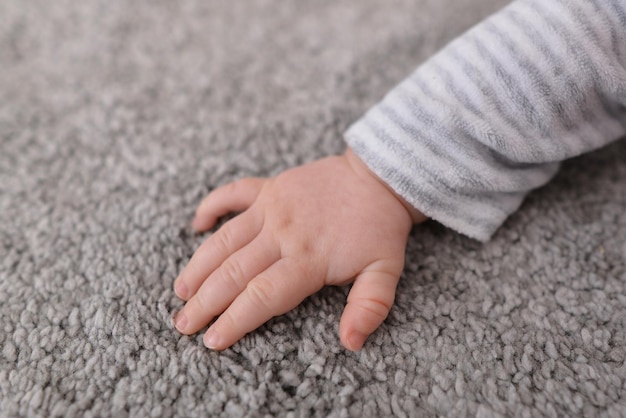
(180, 289)
(356, 341)
(212, 339)
(181, 321)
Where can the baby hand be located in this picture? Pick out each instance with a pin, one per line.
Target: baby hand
(329, 222)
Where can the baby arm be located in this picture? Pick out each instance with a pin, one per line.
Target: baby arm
(491, 116)
(330, 222)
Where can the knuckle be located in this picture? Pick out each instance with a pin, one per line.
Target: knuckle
(232, 272)
(261, 293)
(230, 319)
(225, 238)
(376, 307)
(305, 247)
(200, 302)
(284, 223)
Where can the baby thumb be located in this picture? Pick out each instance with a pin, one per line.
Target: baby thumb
(369, 302)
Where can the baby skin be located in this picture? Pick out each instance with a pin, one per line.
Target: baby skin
(330, 222)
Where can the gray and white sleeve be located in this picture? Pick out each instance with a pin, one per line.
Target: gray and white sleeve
(489, 118)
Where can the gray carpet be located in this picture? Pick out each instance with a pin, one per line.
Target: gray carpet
(116, 117)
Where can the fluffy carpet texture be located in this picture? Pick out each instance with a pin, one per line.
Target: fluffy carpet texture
(117, 117)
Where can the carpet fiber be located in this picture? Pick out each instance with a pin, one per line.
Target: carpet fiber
(117, 117)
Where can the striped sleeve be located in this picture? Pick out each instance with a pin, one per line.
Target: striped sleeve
(487, 119)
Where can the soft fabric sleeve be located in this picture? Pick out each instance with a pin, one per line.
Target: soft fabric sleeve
(489, 118)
